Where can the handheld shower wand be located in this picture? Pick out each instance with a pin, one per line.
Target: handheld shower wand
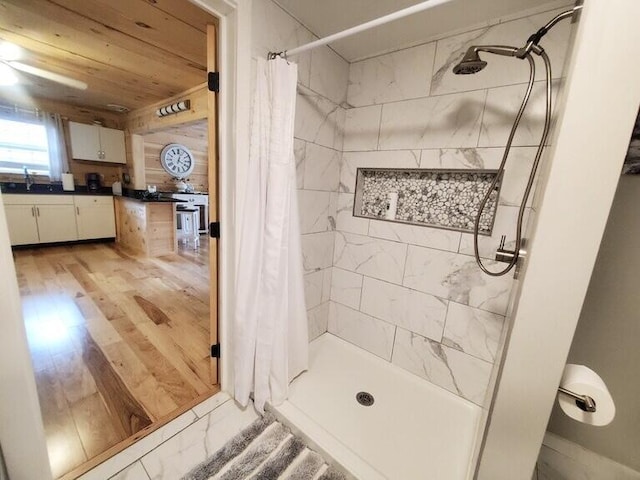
(472, 63)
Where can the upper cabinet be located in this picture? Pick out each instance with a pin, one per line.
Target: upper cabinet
(97, 143)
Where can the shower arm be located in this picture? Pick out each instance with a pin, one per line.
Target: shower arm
(534, 40)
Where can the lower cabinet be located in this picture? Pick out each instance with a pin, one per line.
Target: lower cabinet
(56, 223)
(22, 223)
(34, 219)
(95, 217)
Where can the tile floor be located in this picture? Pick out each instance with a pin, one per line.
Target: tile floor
(173, 450)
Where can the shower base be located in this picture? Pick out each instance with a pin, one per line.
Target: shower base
(413, 429)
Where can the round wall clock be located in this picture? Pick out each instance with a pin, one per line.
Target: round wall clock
(177, 160)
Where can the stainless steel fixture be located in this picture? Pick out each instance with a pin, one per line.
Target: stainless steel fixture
(28, 179)
(584, 402)
(472, 63)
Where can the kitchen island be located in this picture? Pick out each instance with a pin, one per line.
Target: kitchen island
(146, 226)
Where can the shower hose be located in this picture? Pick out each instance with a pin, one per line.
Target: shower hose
(534, 167)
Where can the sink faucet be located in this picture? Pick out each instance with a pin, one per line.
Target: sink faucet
(28, 180)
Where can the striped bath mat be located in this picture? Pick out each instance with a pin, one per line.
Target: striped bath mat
(265, 450)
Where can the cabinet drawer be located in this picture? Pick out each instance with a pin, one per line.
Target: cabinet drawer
(34, 199)
(92, 200)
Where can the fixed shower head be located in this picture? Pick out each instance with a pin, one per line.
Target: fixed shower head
(469, 66)
(472, 63)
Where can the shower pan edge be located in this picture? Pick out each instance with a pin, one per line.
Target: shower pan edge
(412, 427)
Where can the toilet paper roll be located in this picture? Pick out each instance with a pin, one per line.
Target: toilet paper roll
(67, 182)
(584, 381)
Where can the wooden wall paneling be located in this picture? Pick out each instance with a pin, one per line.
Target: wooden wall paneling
(74, 113)
(134, 145)
(212, 122)
(153, 145)
(131, 225)
(146, 228)
(145, 120)
(161, 229)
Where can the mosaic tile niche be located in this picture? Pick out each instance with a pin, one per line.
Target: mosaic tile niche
(447, 199)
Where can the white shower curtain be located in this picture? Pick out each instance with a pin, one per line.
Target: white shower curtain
(270, 325)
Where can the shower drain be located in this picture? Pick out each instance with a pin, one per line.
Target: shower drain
(365, 398)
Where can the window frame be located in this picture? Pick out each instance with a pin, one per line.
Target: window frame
(6, 167)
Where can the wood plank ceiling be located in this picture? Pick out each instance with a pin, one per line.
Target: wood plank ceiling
(130, 52)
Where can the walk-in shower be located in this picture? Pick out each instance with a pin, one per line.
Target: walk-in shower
(472, 63)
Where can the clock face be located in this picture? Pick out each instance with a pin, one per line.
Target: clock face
(177, 160)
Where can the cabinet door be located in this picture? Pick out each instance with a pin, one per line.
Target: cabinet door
(112, 144)
(56, 223)
(21, 220)
(85, 141)
(95, 218)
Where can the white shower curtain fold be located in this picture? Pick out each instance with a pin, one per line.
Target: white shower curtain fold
(270, 325)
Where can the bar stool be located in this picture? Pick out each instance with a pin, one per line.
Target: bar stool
(187, 220)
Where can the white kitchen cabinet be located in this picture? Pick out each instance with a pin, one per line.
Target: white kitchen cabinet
(97, 143)
(40, 218)
(22, 224)
(56, 223)
(95, 217)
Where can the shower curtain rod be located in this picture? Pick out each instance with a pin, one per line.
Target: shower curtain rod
(405, 12)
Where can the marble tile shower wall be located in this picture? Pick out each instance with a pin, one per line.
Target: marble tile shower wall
(414, 295)
(322, 91)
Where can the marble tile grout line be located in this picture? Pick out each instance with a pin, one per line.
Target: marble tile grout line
(437, 95)
(300, 139)
(484, 109)
(445, 299)
(379, 130)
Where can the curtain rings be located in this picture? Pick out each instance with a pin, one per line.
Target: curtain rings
(274, 55)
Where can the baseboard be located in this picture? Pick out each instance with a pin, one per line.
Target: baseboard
(562, 459)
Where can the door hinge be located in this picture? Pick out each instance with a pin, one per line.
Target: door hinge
(214, 229)
(213, 81)
(215, 351)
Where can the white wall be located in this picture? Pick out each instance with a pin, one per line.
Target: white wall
(21, 430)
(608, 333)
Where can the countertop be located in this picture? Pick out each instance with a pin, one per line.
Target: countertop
(50, 189)
(146, 197)
(56, 189)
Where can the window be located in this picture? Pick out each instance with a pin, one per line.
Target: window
(23, 144)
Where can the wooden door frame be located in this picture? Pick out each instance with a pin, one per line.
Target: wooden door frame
(212, 121)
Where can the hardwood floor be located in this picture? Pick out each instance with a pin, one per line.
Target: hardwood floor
(119, 343)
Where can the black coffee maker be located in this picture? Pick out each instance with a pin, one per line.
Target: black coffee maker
(93, 182)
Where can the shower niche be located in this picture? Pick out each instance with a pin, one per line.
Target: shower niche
(438, 198)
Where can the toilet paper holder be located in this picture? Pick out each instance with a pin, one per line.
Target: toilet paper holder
(584, 402)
